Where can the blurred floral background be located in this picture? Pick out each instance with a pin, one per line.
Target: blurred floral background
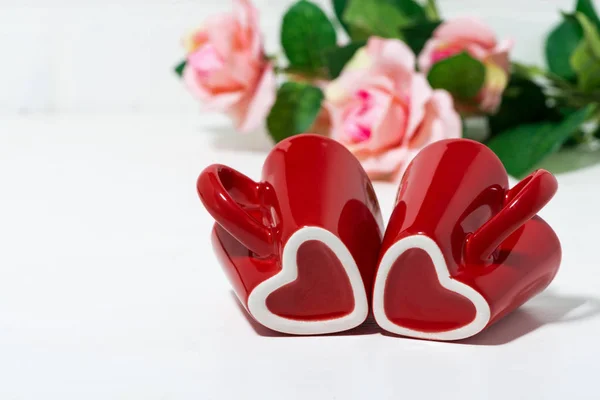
(388, 77)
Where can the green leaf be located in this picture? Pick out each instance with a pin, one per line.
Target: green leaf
(586, 66)
(564, 40)
(411, 8)
(523, 102)
(374, 18)
(415, 36)
(585, 60)
(560, 45)
(294, 111)
(586, 7)
(339, 6)
(523, 147)
(431, 10)
(590, 33)
(338, 57)
(180, 67)
(461, 75)
(306, 34)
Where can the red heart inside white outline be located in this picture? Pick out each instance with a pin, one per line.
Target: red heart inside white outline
(423, 242)
(289, 273)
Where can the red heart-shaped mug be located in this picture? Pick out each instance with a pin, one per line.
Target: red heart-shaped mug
(461, 249)
(300, 247)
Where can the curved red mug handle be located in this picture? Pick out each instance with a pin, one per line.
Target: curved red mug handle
(214, 186)
(521, 203)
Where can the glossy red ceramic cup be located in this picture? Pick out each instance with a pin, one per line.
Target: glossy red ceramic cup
(300, 247)
(462, 249)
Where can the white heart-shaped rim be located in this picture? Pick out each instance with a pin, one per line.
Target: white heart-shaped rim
(289, 273)
(423, 242)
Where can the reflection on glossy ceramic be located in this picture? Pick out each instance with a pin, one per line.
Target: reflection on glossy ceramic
(300, 247)
(462, 249)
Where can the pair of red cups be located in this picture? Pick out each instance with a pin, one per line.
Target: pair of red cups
(304, 252)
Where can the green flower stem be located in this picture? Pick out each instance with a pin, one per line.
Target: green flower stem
(299, 74)
(563, 92)
(575, 98)
(532, 72)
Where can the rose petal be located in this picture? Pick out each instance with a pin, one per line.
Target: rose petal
(390, 130)
(217, 102)
(340, 94)
(500, 55)
(195, 39)
(243, 69)
(361, 60)
(477, 51)
(442, 104)
(248, 19)
(420, 93)
(251, 112)
(221, 32)
(441, 121)
(391, 55)
(466, 29)
(341, 89)
(383, 166)
(388, 124)
(425, 60)
(205, 59)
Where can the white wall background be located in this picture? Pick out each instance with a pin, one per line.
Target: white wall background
(106, 56)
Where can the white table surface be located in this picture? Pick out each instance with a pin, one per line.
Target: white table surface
(109, 288)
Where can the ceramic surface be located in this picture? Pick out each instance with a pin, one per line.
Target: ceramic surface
(301, 246)
(462, 250)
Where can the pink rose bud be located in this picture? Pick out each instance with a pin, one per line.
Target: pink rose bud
(477, 39)
(385, 112)
(227, 69)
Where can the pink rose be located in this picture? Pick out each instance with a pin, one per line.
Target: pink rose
(474, 37)
(385, 112)
(227, 69)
